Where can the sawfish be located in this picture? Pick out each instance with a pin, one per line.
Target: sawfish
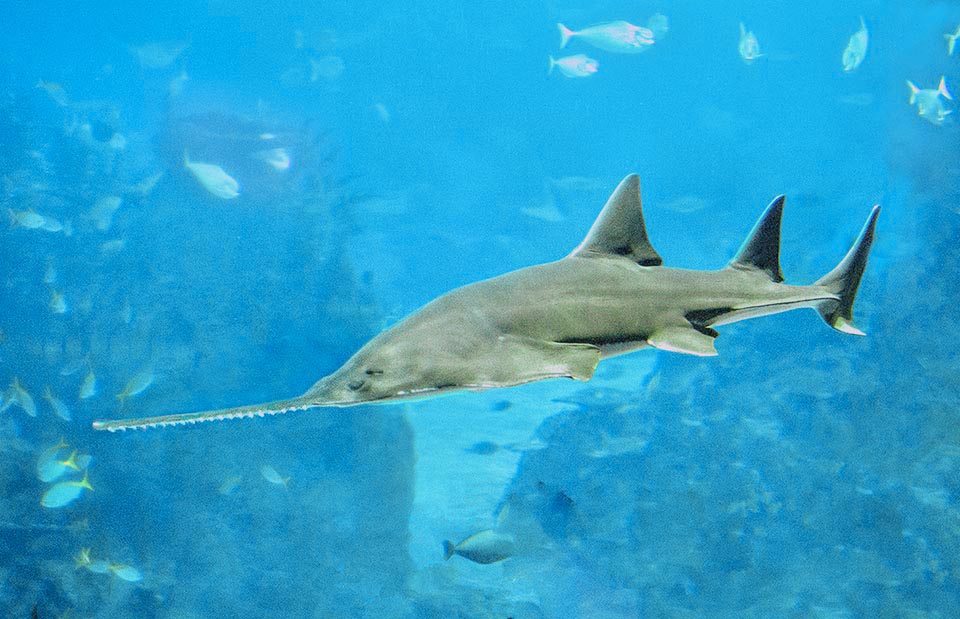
(610, 296)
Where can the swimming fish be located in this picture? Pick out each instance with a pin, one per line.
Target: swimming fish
(230, 484)
(97, 566)
(65, 492)
(929, 103)
(55, 91)
(56, 405)
(213, 178)
(49, 465)
(528, 325)
(748, 47)
(58, 303)
(103, 211)
(271, 475)
(29, 219)
(50, 274)
(139, 383)
(952, 41)
(856, 49)
(89, 387)
(16, 394)
(51, 224)
(484, 547)
(159, 54)
(126, 572)
(617, 36)
(276, 158)
(574, 66)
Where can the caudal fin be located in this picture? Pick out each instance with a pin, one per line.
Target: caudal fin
(913, 91)
(844, 280)
(565, 34)
(448, 549)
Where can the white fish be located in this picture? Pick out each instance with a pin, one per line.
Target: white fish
(177, 84)
(616, 36)
(50, 275)
(659, 25)
(748, 47)
(126, 572)
(54, 91)
(51, 224)
(484, 547)
(856, 49)
(158, 55)
(59, 408)
(29, 219)
(327, 67)
(58, 304)
(579, 65)
(89, 387)
(213, 178)
(145, 186)
(276, 158)
(103, 211)
(271, 475)
(230, 485)
(952, 40)
(16, 394)
(65, 492)
(929, 103)
(137, 384)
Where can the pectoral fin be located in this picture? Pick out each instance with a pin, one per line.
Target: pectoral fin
(683, 339)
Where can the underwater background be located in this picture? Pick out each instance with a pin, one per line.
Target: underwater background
(384, 154)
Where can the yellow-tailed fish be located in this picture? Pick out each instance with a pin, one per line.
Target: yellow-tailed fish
(126, 572)
(64, 493)
(89, 387)
(137, 384)
(49, 467)
(271, 475)
(97, 566)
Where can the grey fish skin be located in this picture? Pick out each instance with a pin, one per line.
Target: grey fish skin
(485, 547)
(610, 296)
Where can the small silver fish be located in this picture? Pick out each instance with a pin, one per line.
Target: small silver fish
(213, 178)
(579, 65)
(484, 547)
(856, 49)
(89, 387)
(617, 36)
(929, 103)
(748, 47)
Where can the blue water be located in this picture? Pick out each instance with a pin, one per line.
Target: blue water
(802, 473)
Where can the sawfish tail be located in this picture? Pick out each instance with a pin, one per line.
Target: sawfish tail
(844, 280)
(252, 410)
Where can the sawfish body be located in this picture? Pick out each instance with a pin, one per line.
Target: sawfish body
(608, 297)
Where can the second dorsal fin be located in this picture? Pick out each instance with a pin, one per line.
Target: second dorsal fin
(619, 230)
(761, 250)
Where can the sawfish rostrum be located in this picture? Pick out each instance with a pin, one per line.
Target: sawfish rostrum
(610, 296)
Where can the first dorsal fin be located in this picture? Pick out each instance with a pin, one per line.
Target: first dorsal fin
(761, 250)
(619, 230)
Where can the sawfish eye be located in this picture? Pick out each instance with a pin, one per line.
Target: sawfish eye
(372, 372)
